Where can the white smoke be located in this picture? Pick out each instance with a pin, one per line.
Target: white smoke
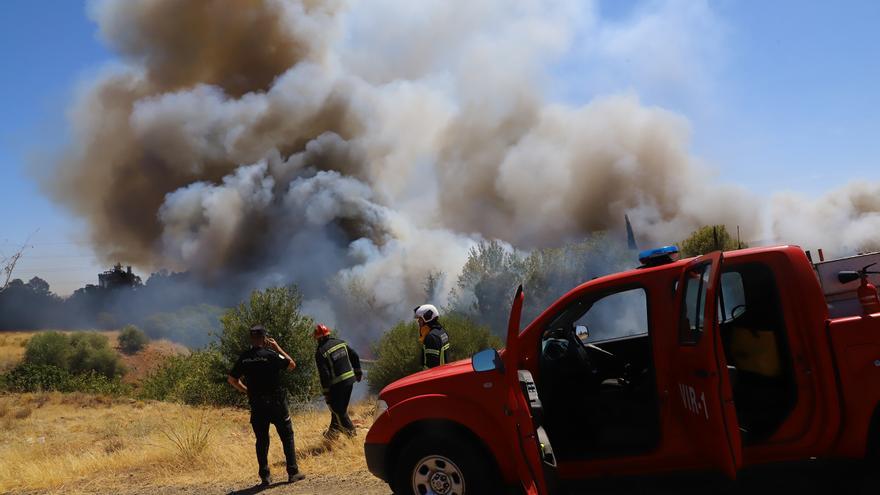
(355, 149)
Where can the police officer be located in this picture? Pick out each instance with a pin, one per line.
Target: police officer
(339, 366)
(261, 368)
(434, 340)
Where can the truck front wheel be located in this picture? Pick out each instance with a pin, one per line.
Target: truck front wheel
(442, 465)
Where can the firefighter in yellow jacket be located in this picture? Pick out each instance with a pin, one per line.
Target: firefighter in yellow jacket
(434, 339)
(339, 366)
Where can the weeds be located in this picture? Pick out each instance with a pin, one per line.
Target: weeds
(38, 400)
(114, 445)
(23, 412)
(189, 438)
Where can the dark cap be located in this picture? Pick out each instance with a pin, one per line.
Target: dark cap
(258, 330)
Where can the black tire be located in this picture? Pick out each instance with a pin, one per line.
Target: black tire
(478, 474)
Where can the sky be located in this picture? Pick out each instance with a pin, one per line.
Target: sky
(780, 96)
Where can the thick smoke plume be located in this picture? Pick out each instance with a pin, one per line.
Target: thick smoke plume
(356, 148)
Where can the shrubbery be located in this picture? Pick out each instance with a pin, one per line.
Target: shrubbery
(76, 353)
(27, 377)
(197, 379)
(48, 348)
(132, 339)
(81, 362)
(277, 309)
(398, 352)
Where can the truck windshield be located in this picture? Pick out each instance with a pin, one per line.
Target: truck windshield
(621, 314)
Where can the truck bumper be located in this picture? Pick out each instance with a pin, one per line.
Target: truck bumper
(376, 454)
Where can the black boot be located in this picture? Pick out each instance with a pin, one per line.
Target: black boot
(294, 477)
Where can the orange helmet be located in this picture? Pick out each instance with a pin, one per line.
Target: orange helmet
(321, 330)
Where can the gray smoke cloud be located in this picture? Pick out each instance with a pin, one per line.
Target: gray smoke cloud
(356, 148)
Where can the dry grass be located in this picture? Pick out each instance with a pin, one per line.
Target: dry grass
(76, 443)
(12, 348)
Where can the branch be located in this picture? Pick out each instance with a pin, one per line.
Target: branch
(7, 265)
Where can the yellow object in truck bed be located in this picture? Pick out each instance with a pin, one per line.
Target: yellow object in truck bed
(755, 351)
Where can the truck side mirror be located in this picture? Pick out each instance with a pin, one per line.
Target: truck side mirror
(487, 360)
(848, 276)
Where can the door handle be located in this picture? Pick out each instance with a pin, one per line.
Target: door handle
(701, 374)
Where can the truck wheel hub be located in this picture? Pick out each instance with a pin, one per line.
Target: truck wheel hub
(440, 483)
(437, 475)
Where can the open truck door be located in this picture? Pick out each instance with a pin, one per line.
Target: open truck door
(535, 460)
(706, 396)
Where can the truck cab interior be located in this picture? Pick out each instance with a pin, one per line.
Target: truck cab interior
(597, 382)
(754, 337)
(597, 378)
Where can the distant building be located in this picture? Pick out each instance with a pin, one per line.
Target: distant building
(117, 278)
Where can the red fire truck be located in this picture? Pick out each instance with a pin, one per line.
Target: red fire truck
(717, 362)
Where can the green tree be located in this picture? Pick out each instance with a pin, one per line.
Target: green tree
(707, 239)
(492, 273)
(398, 351)
(487, 282)
(132, 339)
(277, 309)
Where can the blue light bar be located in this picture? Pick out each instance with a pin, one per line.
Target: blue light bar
(658, 256)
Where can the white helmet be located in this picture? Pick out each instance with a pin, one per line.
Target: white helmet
(427, 312)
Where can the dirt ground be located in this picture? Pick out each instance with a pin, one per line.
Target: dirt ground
(358, 483)
(53, 443)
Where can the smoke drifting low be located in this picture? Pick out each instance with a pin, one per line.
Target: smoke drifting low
(354, 149)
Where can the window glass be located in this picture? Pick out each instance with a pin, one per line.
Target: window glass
(621, 314)
(732, 298)
(696, 283)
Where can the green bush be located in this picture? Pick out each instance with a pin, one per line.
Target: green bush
(277, 309)
(48, 348)
(398, 352)
(28, 377)
(77, 353)
(196, 379)
(132, 339)
(91, 351)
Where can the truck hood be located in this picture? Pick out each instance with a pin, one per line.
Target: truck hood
(427, 380)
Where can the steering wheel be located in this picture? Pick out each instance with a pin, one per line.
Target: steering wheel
(733, 311)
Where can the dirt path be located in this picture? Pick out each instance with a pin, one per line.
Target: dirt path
(356, 484)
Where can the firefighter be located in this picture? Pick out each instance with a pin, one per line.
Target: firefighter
(432, 336)
(339, 366)
(261, 368)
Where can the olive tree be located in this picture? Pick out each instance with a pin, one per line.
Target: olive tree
(278, 310)
(707, 239)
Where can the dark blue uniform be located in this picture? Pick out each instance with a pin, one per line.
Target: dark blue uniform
(261, 369)
(435, 346)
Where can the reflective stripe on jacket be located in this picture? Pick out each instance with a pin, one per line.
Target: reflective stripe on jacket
(337, 362)
(435, 347)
